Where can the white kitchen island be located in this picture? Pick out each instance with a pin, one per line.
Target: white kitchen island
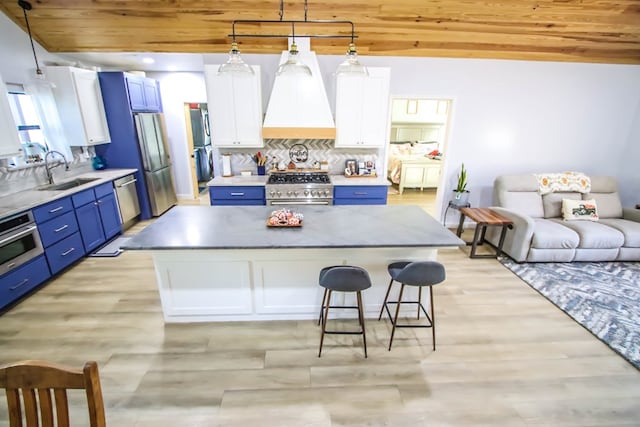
(221, 263)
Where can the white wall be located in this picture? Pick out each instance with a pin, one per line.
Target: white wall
(630, 164)
(176, 89)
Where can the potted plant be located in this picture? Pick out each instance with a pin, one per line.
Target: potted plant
(460, 193)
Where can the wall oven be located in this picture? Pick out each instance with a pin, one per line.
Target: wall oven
(19, 241)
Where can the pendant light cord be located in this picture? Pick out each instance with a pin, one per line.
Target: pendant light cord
(25, 5)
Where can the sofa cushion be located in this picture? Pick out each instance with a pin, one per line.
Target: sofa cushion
(552, 203)
(594, 235)
(523, 202)
(582, 210)
(630, 230)
(609, 205)
(549, 234)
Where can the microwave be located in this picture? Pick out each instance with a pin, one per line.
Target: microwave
(19, 241)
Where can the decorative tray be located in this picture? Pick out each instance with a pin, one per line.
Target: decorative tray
(285, 218)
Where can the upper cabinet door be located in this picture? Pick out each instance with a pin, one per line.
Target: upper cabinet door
(235, 108)
(91, 106)
(9, 140)
(144, 94)
(362, 109)
(79, 101)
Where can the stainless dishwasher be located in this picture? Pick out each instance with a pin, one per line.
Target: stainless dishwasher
(127, 200)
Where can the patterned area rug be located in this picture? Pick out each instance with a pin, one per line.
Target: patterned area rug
(604, 297)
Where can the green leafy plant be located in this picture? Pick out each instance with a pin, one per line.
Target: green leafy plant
(462, 180)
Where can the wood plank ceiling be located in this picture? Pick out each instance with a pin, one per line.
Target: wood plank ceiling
(605, 31)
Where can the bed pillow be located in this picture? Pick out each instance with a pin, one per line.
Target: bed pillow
(579, 210)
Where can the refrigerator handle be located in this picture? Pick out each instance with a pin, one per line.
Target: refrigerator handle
(142, 141)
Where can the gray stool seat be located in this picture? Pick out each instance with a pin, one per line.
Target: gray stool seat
(408, 273)
(342, 278)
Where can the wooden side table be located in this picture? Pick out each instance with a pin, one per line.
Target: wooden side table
(484, 217)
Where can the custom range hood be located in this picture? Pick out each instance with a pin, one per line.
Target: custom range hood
(298, 107)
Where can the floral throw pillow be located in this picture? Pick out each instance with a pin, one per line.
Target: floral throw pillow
(563, 182)
(579, 210)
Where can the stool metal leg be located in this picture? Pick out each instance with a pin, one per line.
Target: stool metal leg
(395, 318)
(419, 301)
(386, 297)
(361, 318)
(433, 318)
(324, 297)
(324, 321)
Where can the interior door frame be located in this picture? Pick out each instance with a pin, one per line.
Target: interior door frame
(191, 150)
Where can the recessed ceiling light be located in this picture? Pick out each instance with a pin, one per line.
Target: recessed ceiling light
(148, 60)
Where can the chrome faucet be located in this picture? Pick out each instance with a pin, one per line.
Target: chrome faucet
(48, 168)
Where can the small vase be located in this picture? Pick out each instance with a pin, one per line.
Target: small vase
(460, 198)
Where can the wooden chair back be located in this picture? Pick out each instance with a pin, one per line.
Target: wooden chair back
(46, 380)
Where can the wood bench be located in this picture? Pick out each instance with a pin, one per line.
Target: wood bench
(484, 217)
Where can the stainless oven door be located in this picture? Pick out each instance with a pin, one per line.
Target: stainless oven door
(299, 202)
(19, 246)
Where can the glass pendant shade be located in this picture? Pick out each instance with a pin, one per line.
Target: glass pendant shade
(351, 65)
(293, 65)
(235, 64)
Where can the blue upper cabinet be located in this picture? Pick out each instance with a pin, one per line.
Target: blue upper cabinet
(144, 94)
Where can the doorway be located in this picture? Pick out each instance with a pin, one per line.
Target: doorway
(417, 144)
(199, 145)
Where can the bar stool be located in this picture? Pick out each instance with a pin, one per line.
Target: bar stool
(407, 273)
(343, 278)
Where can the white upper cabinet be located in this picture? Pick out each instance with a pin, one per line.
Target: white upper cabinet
(235, 108)
(9, 140)
(79, 101)
(362, 109)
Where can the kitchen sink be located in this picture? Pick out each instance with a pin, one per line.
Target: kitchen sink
(67, 184)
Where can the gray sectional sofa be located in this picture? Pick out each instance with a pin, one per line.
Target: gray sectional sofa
(541, 235)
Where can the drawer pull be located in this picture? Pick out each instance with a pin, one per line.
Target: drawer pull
(67, 252)
(64, 227)
(237, 194)
(59, 208)
(360, 193)
(24, 282)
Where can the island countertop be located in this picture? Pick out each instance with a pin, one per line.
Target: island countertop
(245, 227)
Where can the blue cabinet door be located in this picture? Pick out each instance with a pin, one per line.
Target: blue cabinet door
(135, 87)
(360, 195)
(90, 226)
(109, 215)
(152, 95)
(18, 282)
(237, 195)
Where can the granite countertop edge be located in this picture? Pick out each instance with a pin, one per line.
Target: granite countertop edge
(12, 204)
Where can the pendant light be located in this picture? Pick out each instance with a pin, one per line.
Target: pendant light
(235, 64)
(25, 5)
(351, 65)
(293, 65)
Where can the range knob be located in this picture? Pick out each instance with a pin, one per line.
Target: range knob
(278, 193)
(289, 193)
(295, 193)
(326, 193)
(272, 193)
(313, 193)
(306, 192)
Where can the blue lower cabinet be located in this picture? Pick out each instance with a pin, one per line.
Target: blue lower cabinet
(237, 195)
(64, 253)
(109, 215)
(57, 228)
(23, 279)
(360, 195)
(90, 226)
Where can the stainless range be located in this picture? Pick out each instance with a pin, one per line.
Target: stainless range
(299, 188)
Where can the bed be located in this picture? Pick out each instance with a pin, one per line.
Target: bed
(411, 167)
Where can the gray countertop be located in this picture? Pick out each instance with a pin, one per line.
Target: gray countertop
(259, 180)
(24, 200)
(244, 227)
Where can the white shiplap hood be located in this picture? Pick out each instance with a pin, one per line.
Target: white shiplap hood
(298, 106)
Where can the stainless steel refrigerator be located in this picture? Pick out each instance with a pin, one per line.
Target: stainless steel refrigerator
(156, 161)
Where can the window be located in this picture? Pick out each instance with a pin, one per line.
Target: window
(28, 123)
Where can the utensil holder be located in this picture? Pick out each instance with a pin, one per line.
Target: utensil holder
(261, 170)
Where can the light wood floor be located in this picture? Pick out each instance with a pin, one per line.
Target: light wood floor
(505, 357)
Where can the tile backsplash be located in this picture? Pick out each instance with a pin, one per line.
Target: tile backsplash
(14, 180)
(279, 149)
